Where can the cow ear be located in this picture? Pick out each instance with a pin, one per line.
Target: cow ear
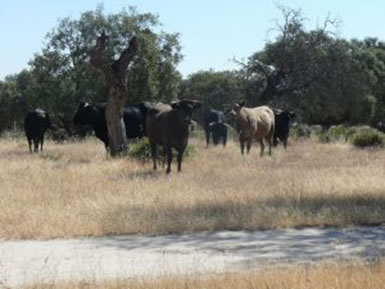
(241, 104)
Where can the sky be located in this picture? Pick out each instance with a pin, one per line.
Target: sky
(212, 32)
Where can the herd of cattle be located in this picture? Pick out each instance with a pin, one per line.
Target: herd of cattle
(168, 125)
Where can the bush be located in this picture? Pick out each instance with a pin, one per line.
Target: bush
(141, 150)
(300, 131)
(368, 137)
(334, 133)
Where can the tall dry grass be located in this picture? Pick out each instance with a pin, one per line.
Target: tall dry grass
(74, 190)
(326, 276)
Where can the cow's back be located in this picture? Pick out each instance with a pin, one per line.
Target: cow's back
(257, 122)
(156, 122)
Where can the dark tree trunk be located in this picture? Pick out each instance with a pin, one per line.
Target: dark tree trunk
(115, 124)
(116, 76)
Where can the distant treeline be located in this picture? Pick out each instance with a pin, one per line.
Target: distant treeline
(325, 79)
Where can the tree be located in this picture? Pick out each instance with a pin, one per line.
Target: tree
(67, 76)
(291, 63)
(115, 73)
(214, 89)
(312, 72)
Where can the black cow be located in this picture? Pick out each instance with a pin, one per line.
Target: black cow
(169, 126)
(214, 124)
(36, 123)
(94, 115)
(283, 121)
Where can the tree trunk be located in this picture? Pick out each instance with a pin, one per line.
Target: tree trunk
(115, 123)
(116, 77)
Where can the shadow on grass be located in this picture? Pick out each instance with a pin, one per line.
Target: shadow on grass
(252, 248)
(249, 215)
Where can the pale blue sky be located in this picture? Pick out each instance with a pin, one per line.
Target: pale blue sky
(212, 31)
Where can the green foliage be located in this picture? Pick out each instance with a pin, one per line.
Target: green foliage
(61, 74)
(141, 150)
(368, 137)
(300, 130)
(215, 90)
(326, 80)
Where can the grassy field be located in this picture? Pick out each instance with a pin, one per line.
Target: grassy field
(325, 276)
(74, 190)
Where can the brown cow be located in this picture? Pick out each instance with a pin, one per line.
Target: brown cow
(168, 125)
(254, 123)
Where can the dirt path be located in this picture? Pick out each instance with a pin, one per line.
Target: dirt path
(141, 256)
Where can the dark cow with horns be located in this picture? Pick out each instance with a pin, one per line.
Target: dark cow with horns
(168, 125)
(283, 120)
(94, 115)
(215, 125)
(36, 123)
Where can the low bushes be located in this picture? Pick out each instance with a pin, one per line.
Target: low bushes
(368, 137)
(359, 136)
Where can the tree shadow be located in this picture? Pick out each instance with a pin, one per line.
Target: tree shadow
(251, 248)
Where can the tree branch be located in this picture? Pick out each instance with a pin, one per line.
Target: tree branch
(120, 66)
(99, 58)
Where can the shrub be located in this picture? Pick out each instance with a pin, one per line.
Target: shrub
(368, 137)
(141, 150)
(300, 131)
(334, 133)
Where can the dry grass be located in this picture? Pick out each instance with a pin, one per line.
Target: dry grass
(73, 190)
(332, 276)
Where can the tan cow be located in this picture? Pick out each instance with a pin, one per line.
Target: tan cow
(254, 123)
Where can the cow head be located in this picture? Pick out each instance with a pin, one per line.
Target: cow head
(185, 109)
(85, 114)
(237, 108)
(48, 121)
(292, 115)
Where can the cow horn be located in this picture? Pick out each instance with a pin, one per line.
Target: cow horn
(229, 126)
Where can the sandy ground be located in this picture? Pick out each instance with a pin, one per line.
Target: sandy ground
(198, 253)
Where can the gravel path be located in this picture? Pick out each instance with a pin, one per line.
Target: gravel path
(198, 253)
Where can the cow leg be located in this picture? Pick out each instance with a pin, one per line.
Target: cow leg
(207, 138)
(180, 156)
(169, 159)
(242, 142)
(36, 145)
(275, 141)
(262, 146)
(285, 141)
(269, 141)
(153, 154)
(248, 146)
(30, 144)
(164, 152)
(41, 143)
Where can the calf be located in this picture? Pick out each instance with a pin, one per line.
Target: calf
(36, 123)
(168, 125)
